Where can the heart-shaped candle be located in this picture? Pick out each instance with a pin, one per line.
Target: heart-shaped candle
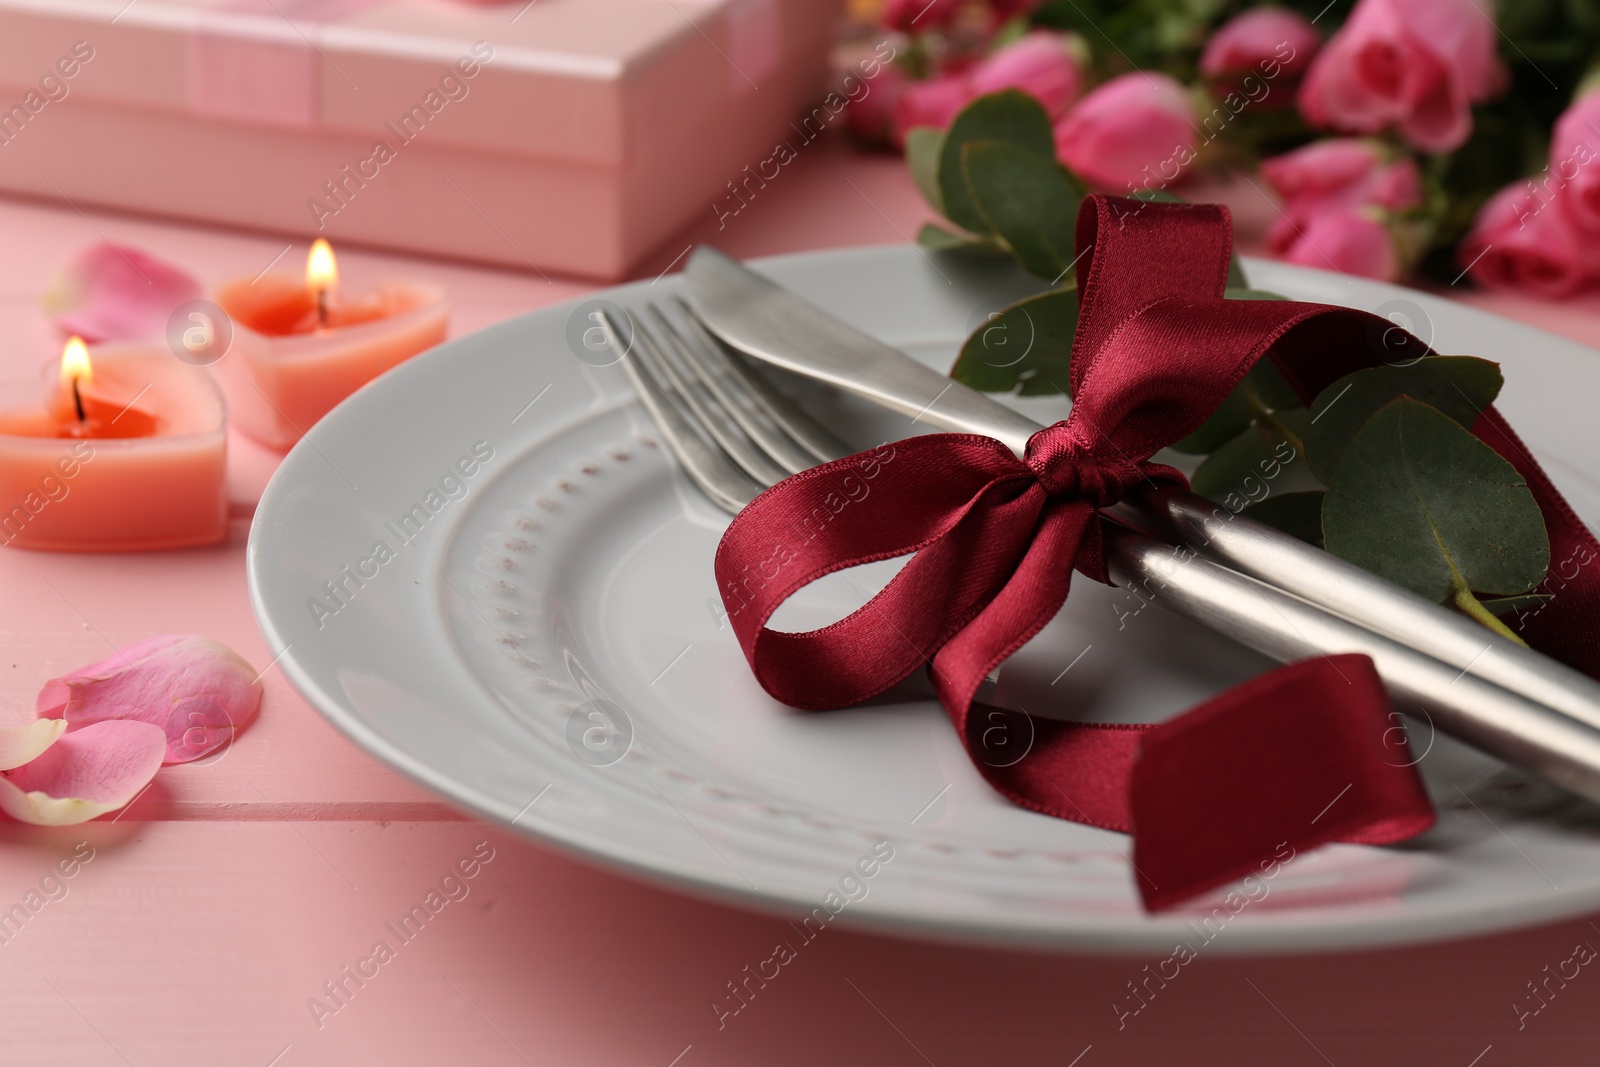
(301, 346)
(120, 448)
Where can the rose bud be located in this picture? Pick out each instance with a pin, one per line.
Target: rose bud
(1042, 64)
(1350, 242)
(1526, 245)
(1135, 131)
(1575, 159)
(935, 102)
(1270, 42)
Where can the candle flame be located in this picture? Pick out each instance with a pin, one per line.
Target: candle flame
(322, 274)
(75, 363)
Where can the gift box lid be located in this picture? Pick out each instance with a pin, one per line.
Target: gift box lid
(591, 81)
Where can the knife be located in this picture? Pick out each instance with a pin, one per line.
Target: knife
(756, 316)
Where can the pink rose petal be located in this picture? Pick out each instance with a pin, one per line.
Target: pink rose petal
(86, 773)
(198, 691)
(23, 744)
(116, 293)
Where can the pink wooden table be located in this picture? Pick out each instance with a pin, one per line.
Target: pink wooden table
(219, 905)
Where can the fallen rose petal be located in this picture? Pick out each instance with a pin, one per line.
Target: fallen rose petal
(1259, 38)
(115, 293)
(23, 744)
(86, 773)
(198, 691)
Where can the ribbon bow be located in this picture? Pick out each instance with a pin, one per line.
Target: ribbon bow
(1290, 760)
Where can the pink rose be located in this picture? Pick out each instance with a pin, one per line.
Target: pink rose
(1352, 242)
(1135, 131)
(1339, 176)
(1322, 166)
(1415, 64)
(935, 102)
(1575, 160)
(1040, 64)
(1259, 40)
(920, 16)
(1522, 243)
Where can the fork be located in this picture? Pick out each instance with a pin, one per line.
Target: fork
(735, 435)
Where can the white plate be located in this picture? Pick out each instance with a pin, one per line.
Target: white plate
(571, 573)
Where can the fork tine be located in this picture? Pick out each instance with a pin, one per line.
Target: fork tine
(709, 365)
(729, 487)
(816, 438)
(704, 409)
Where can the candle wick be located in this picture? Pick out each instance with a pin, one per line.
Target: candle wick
(322, 306)
(77, 401)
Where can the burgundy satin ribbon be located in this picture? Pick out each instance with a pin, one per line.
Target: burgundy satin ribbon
(1296, 757)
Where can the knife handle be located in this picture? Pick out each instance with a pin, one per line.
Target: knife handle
(1494, 720)
(1362, 597)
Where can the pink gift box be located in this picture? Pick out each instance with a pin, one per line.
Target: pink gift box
(571, 136)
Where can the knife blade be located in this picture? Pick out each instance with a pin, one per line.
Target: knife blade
(775, 326)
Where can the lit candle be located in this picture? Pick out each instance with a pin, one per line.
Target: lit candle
(301, 346)
(121, 450)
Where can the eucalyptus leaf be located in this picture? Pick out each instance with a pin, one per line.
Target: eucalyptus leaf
(1419, 500)
(1031, 202)
(1028, 346)
(1269, 390)
(924, 145)
(1458, 386)
(1231, 419)
(1297, 514)
(1236, 278)
(942, 240)
(1261, 390)
(1011, 116)
(1241, 471)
